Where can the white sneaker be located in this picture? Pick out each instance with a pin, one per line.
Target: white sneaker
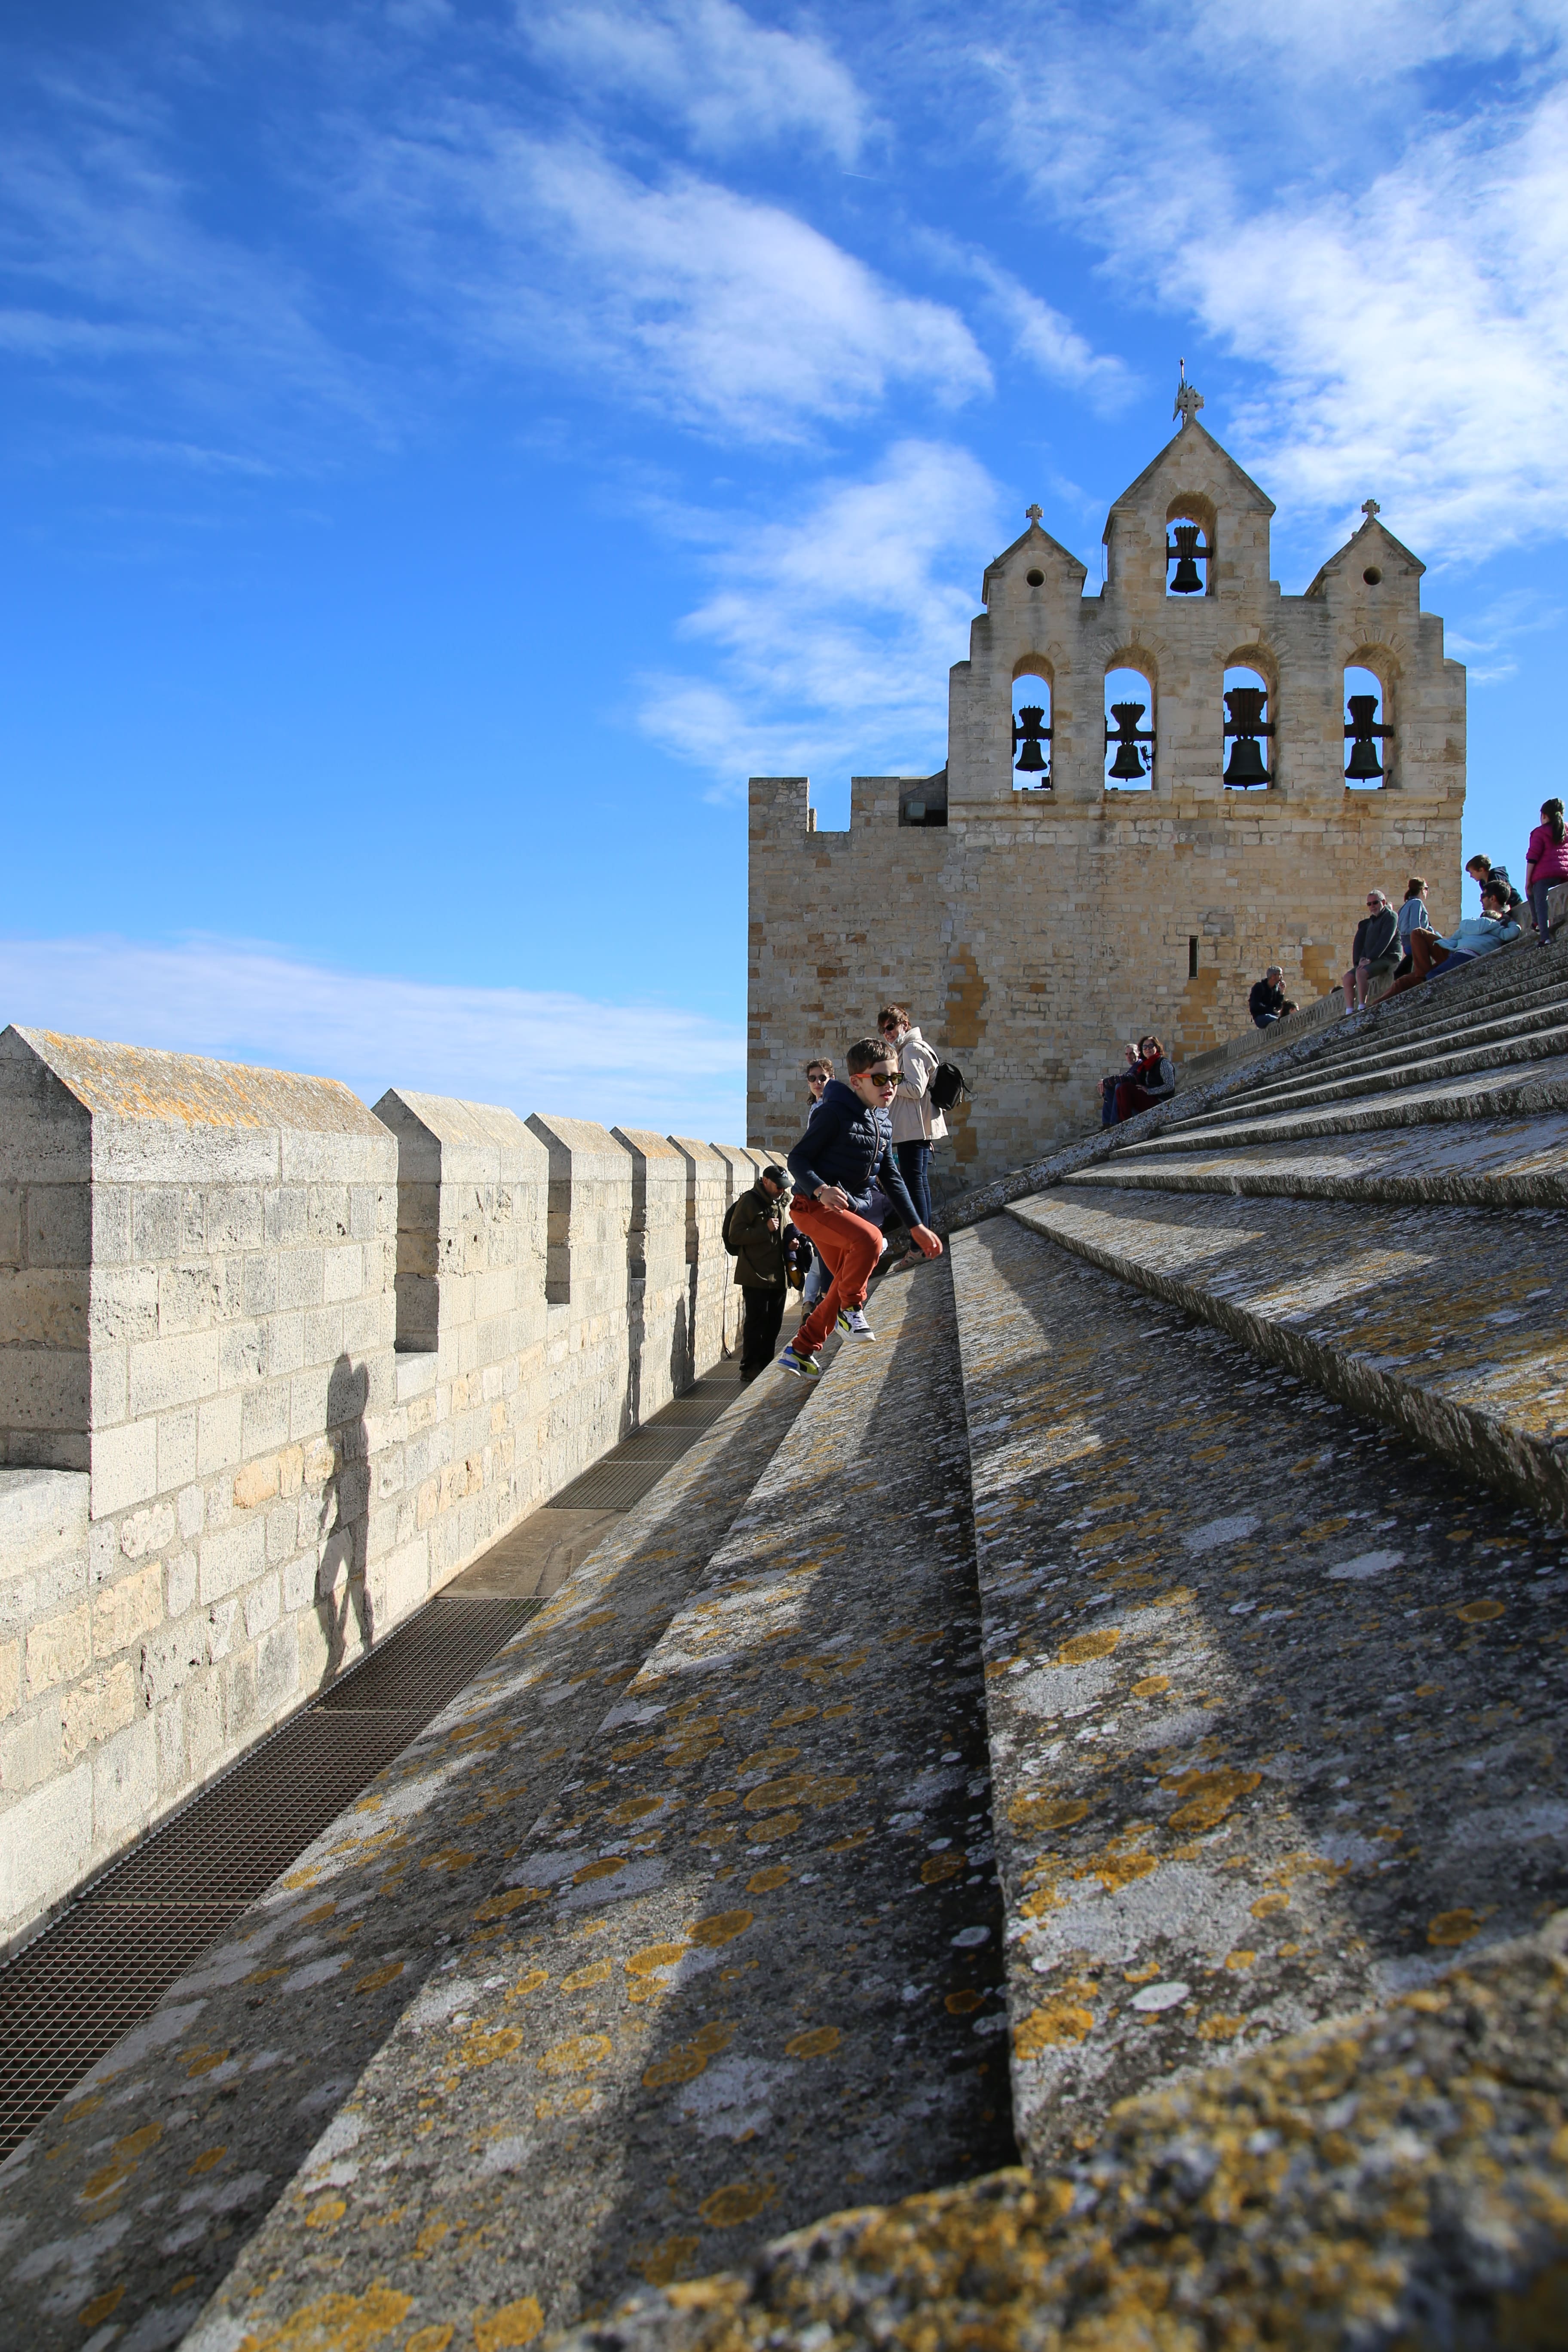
(855, 1324)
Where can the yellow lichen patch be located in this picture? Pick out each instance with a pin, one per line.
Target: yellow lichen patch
(429, 2238)
(1046, 1813)
(514, 2324)
(657, 2265)
(325, 2212)
(597, 1973)
(1220, 2029)
(479, 2048)
(1267, 1905)
(578, 2054)
(763, 1882)
(719, 1927)
(1322, 1529)
(774, 1795)
(1239, 1959)
(1081, 1647)
(1176, 1597)
(740, 2202)
(688, 2059)
(1150, 1686)
(653, 1959)
(1145, 1975)
(941, 1867)
(1480, 1612)
(633, 1809)
(1050, 2027)
(817, 2042)
(848, 1844)
(608, 1865)
(1451, 1927)
(963, 2004)
(1207, 1797)
(529, 1983)
(1122, 1863)
(792, 1715)
(94, 2313)
(336, 2323)
(431, 2339)
(768, 1759)
(768, 1832)
(208, 2157)
(379, 1977)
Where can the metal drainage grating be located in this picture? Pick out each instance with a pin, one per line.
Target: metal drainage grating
(610, 1486)
(105, 1964)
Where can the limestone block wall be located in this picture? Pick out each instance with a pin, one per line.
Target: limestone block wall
(273, 1369)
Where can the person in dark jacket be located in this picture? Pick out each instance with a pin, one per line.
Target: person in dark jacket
(1152, 1080)
(1375, 954)
(1269, 1002)
(843, 1155)
(756, 1235)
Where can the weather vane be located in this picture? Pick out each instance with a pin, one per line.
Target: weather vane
(1189, 399)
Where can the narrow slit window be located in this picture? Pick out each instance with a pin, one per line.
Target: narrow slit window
(1191, 958)
(1128, 731)
(1367, 738)
(1031, 734)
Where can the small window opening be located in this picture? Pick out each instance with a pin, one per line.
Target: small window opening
(1364, 732)
(1031, 734)
(1186, 561)
(1191, 958)
(1036, 579)
(1249, 724)
(1373, 576)
(1128, 744)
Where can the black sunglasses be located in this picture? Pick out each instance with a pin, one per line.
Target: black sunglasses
(885, 1077)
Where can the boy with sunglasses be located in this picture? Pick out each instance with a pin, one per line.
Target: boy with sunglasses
(845, 1154)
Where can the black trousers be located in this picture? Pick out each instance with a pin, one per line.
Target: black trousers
(760, 1332)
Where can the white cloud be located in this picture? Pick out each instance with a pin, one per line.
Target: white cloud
(833, 631)
(719, 310)
(734, 83)
(624, 1065)
(1051, 342)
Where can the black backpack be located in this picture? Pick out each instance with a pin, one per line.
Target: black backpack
(948, 1086)
(733, 1248)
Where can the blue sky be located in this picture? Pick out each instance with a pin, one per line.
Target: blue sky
(449, 445)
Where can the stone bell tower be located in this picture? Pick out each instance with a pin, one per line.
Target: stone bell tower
(1145, 802)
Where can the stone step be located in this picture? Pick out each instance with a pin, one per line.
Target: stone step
(1507, 1048)
(1521, 1092)
(1471, 1164)
(1450, 1324)
(202, 2115)
(746, 1965)
(1275, 1701)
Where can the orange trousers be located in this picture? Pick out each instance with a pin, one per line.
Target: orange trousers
(850, 1246)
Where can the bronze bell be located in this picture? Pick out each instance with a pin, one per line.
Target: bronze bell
(1365, 766)
(1187, 580)
(1245, 723)
(1128, 767)
(1028, 731)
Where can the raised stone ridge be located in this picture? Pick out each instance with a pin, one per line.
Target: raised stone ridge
(135, 1082)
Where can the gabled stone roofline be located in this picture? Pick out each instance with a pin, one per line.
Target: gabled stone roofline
(1038, 540)
(1194, 431)
(1381, 533)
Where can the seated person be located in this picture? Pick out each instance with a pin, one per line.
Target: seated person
(1153, 1080)
(1269, 1002)
(1478, 935)
(1374, 954)
(1107, 1087)
(1481, 869)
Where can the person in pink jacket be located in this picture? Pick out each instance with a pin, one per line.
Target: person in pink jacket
(1545, 862)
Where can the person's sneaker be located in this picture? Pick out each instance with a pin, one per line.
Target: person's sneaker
(854, 1325)
(805, 1368)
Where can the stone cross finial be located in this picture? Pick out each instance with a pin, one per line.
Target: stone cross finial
(1369, 507)
(1189, 399)
(1034, 513)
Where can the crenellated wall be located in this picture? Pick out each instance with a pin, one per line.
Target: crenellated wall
(273, 1369)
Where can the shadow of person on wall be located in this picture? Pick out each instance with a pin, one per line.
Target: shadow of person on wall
(341, 1594)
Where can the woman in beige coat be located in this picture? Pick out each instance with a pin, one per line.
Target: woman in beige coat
(915, 1124)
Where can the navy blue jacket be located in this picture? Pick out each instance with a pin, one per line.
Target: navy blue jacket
(847, 1143)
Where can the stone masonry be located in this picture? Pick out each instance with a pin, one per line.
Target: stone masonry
(1031, 932)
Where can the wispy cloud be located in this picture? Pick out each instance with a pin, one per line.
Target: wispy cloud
(1050, 342)
(624, 1065)
(735, 85)
(832, 633)
(719, 310)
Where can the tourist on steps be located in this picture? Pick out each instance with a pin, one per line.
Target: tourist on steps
(1150, 1080)
(1412, 918)
(1545, 863)
(1481, 871)
(843, 1155)
(754, 1231)
(1268, 1001)
(1375, 953)
(818, 1073)
(916, 1125)
(1432, 956)
(1110, 1082)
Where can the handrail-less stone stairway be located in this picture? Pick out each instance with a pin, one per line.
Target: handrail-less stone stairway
(693, 1886)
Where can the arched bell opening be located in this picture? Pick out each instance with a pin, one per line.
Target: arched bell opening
(1249, 730)
(1368, 739)
(1031, 732)
(1189, 547)
(1128, 731)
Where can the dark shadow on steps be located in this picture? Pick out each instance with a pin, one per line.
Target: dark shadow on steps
(1340, 1658)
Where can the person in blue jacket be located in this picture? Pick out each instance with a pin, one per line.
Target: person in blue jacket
(847, 1153)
